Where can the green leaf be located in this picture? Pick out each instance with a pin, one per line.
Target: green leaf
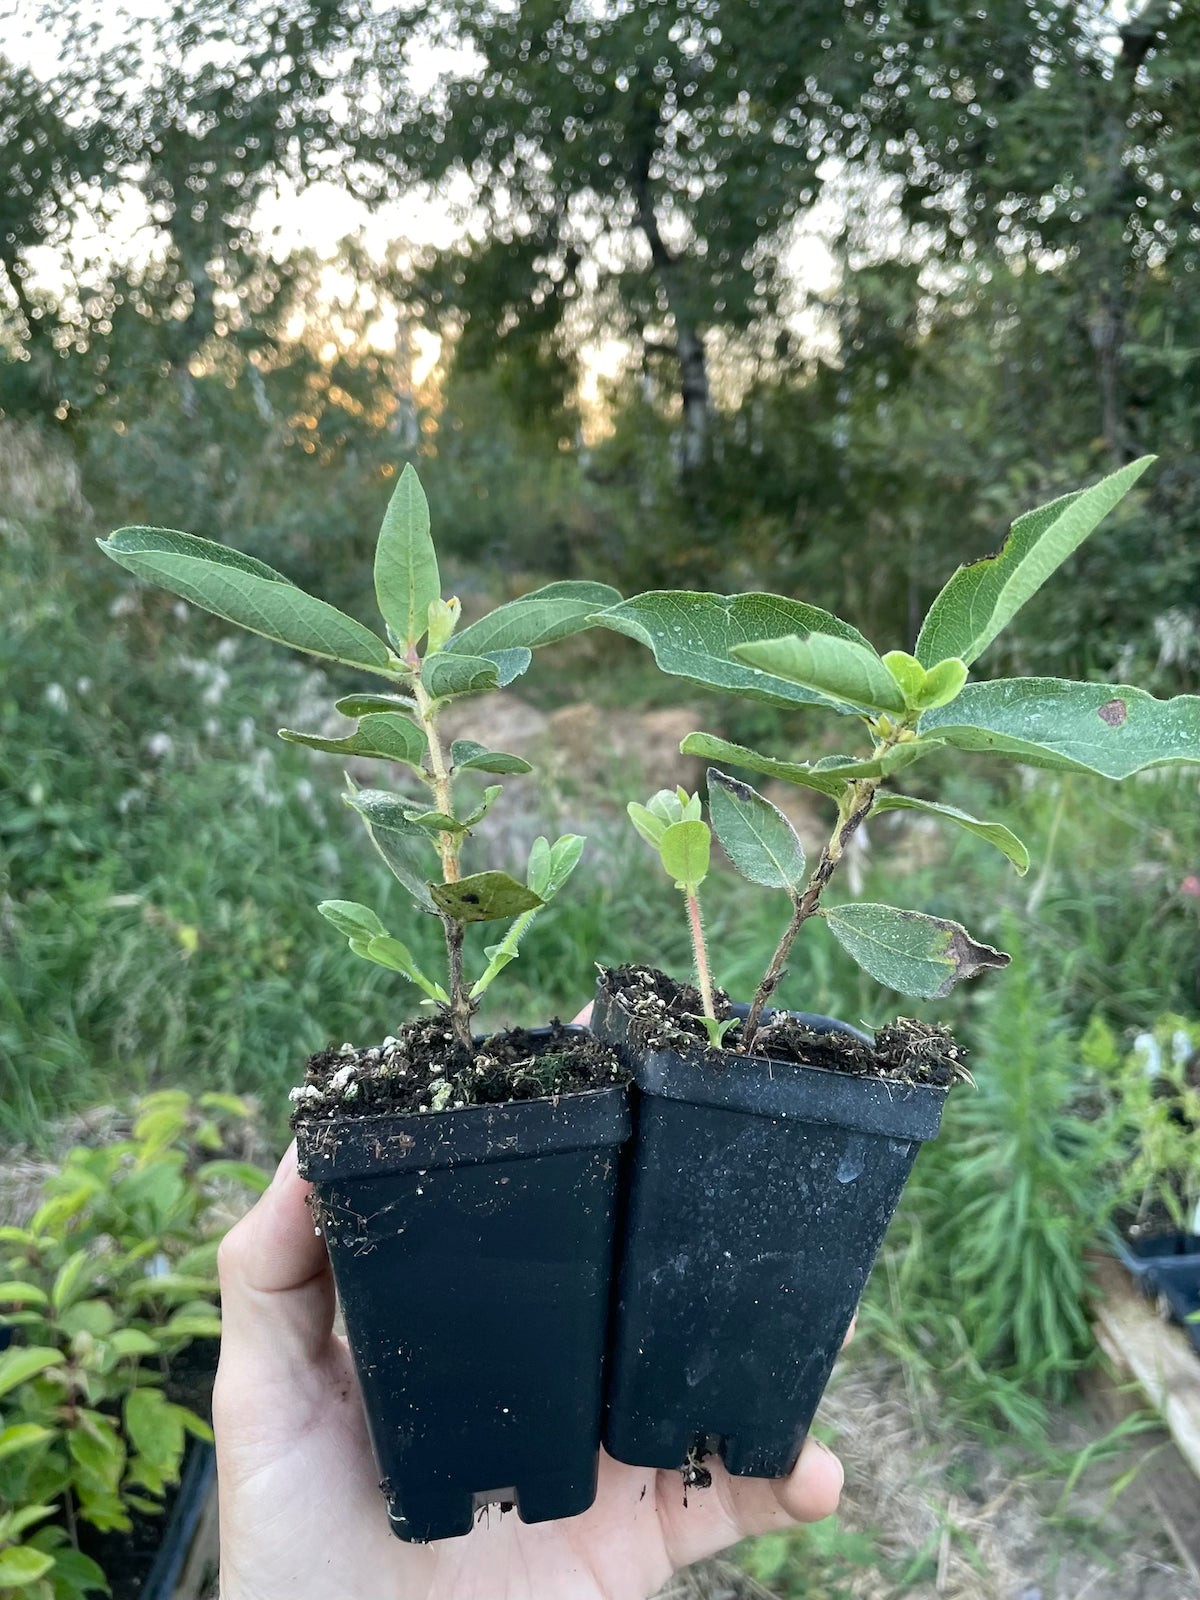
(71, 1280)
(548, 614)
(406, 569)
(446, 676)
(1073, 727)
(397, 957)
(442, 822)
(829, 776)
(647, 824)
(685, 849)
(674, 805)
(270, 606)
(351, 919)
(981, 598)
(133, 1342)
(755, 835)
(169, 541)
(484, 897)
(22, 1436)
(692, 635)
(384, 735)
(14, 1523)
(155, 1428)
(20, 1564)
(924, 689)
(839, 669)
(909, 951)
(74, 1573)
(362, 705)
(97, 1448)
(467, 756)
(564, 858)
(510, 664)
(15, 1293)
(406, 849)
(994, 832)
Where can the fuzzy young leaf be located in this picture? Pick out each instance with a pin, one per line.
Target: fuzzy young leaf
(485, 897)
(685, 848)
(405, 848)
(1072, 727)
(385, 951)
(647, 824)
(924, 689)
(440, 822)
(447, 676)
(909, 951)
(981, 598)
(443, 619)
(351, 919)
(995, 833)
(755, 835)
(674, 805)
(21, 1294)
(382, 735)
(240, 593)
(406, 569)
(838, 669)
(467, 756)
(692, 636)
(550, 865)
(548, 614)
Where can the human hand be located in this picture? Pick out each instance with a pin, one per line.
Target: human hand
(302, 1517)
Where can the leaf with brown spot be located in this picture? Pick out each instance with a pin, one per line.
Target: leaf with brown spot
(484, 897)
(910, 951)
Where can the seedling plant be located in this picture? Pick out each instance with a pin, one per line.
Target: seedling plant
(789, 653)
(428, 662)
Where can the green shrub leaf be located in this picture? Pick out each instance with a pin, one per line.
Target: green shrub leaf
(20, 1564)
(467, 756)
(361, 705)
(692, 635)
(351, 919)
(22, 1436)
(755, 835)
(271, 606)
(485, 897)
(384, 735)
(830, 775)
(407, 849)
(994, 832)
(838, 669)
(16, 1293)
(909, 951)
(446, 676)
(647, 824)
(1074, 727)
(510, 664)
(548, 614)
(981, 598)
(406, 569)
(397, 957)
(685, 848)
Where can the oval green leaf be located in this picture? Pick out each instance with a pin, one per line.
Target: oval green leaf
(406, 569)
(908, 950)
(554, 612)
(755, 835)
(685, 848)
(995, 833)
(838, 669)
(380, 735)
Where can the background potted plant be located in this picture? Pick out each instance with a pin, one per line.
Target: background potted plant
(761, 1187)
(109, 1292)
(466, 1188)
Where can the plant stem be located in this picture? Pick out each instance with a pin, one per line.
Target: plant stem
(853, 813)
(449, 845)
(703, 976)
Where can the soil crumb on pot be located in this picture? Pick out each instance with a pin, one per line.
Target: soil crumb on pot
(423, 1068)
(670, 1013)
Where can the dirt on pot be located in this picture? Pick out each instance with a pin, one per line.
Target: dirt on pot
(423, 1068)
(670, 1016)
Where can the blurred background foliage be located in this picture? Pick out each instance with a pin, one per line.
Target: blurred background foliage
(725, 293)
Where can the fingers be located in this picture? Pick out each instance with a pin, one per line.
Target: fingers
(277, 1298)
(734, 1508)
(584, 1018)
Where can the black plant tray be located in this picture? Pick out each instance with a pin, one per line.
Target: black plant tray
(472, 1252)
(758, 1197)
(1178, 1282)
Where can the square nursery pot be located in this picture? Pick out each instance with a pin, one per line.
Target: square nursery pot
(1177, 1279)
(758, 1197)
(472, 1252)
(1144, 1256)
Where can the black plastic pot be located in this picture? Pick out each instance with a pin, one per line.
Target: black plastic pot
(1142, 1257)
(472, 1252)
(758, 1198)
(1178, 1281)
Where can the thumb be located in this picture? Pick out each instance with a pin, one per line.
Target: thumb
(277, 1295)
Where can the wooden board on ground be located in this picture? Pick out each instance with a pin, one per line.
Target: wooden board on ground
(1160, 1360)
